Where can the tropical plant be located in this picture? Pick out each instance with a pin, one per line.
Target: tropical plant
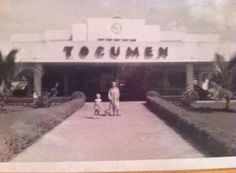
(224, 76)
(7, 69)
(224, 71)
(188, 96)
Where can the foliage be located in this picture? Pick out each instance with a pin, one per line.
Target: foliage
(153, 93)
(7, 68)
(216, 140)
(20, 134)
(224, 75)
(188, 97)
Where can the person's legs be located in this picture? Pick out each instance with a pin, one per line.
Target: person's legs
(111, 109)
(95, 112)
(117, 106)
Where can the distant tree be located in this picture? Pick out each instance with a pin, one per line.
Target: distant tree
(27, 70)
(224, 76)
(7, 68)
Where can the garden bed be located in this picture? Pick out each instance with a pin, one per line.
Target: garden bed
(213, 130)
(23, 101)
(22, 126)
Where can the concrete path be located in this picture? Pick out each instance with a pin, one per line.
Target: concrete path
(137, 134)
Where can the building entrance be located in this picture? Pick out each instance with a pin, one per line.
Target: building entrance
(90, 79)
(133, 80)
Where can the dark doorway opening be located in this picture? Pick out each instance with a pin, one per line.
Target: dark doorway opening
(134, 80)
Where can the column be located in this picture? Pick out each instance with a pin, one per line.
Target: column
(189, 73)
(38, 74)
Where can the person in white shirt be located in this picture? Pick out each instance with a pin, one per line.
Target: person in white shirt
(35, 97)
(114, 98)
(97, 104)
(205, 84)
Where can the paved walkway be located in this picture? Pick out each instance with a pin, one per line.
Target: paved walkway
(135, 135)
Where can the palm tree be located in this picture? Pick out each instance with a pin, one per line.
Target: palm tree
(27, 71)
(224, 76)
(7, 69)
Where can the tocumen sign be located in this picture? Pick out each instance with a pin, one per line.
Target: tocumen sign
(113, 52)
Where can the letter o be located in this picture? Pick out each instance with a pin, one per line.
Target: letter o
(84, 51)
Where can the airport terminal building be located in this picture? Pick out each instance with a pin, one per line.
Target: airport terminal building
(140, 57)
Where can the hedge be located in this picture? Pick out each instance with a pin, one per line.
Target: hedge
(211, 139)
(26, 129)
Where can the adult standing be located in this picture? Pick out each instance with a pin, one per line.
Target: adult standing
(114, 98)
(35, 97)
(205, 84)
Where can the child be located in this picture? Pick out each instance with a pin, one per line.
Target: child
(97, 104)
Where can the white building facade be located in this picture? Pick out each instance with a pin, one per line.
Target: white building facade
(138, 56)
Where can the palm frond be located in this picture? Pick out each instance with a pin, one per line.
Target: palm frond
(232, 62)
(23, 69)
(219, 62)
(10, 62)
(1, 62)
(10, 58)
(1, 68)
(1, 58)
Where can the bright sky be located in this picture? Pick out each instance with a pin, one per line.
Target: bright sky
(201, 16)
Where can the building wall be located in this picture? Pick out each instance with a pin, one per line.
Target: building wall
(117, 32)
(79, 32)
(177, 51)
(115, 28)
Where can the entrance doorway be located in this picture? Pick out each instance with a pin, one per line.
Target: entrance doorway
(93, 79)
(134, 80)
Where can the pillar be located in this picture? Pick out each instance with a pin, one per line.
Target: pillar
(38, 74)
(189, 73)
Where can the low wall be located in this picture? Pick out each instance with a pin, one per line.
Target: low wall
(34, 123)
(208, 137)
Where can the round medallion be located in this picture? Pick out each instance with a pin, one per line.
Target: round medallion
(116, 28)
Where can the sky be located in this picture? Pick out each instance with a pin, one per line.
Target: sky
(196, 16)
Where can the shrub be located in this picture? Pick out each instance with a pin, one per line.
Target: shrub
(187, 98)
(152, 93)
(77, 95)
(209, 137)
(33, 124)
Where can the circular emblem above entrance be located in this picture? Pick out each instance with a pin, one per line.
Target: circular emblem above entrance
(116, 28)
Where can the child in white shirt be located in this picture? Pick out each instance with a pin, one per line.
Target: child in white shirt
(97, 104)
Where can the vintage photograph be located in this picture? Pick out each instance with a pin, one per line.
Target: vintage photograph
(117, 80)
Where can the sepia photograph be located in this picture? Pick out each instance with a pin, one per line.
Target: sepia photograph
(118, 86)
